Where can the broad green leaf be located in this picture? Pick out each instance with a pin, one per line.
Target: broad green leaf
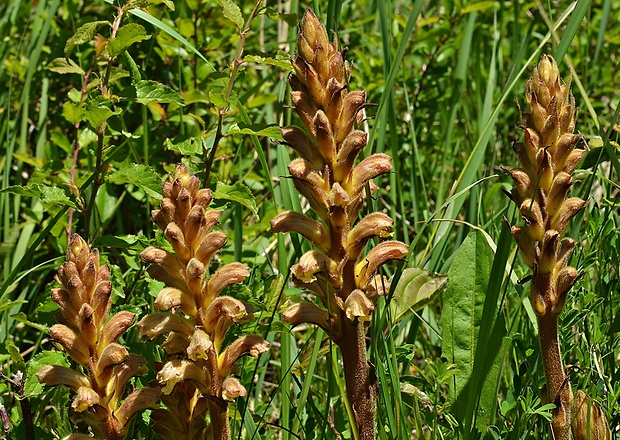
(283, 63)
(152, 91)
(142, 176)
(72, 112)
(98, 111)
(64, 65)
(238, 193)
(232, 12)
(272, 131)
(32, 386)
(126, 36)
(187, 147)
(50, 196)
(83, 34)
(275, 292)
(463, 303)
(415, 289)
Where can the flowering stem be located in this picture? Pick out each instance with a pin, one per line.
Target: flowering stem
(361, 383)
(558, 389)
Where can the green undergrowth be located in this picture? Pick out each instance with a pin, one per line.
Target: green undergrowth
(96, 107)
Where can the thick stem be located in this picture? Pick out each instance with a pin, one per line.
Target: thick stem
(558, 388)
(219, 427)
(360, 380)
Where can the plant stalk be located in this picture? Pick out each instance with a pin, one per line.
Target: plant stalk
(360, 379)
(558, 388)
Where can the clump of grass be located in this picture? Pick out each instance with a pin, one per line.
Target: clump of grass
(337, 270)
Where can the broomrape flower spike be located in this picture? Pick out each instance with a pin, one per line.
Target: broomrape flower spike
(336, 271)
(548, 156)
(90, 336)
(195, 377)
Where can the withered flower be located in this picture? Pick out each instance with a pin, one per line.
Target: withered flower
(90, 336)
(326, 174)
(548, 156)
(195, 377)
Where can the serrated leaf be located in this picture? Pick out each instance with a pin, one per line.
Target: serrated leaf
(283, 63)
(6, 304)
(272, 131)
(232, 12)
(275, 292)
(463, 303)
(152, 91)
(98, 111)
(32, 386)
(126, 36)
(415, 289)
(64, 65)
(72, 112)
(83, 34)
(238, 193)
(187, 147)
(142, 176)
(50, 196)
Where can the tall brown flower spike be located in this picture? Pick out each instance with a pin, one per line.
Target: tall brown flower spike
(196, 375)
(336, 271)
(90, 338)
(548, 157)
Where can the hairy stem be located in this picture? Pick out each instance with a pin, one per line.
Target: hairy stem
(558, 388)
(361, 381)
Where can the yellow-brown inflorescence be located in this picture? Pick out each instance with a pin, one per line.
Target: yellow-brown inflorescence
(90, 335)
(336, 271)
(548, 156)
(196, 375)
(589, 421)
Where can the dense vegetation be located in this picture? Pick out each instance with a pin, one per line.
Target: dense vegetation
(100, 100)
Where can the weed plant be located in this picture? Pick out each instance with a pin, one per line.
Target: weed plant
(100, 100)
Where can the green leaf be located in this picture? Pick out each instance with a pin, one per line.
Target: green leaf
(142, 176)
(187, 147)
(32, 386)
(167, 29)
(21, 317)
(83, 34)
(232, 12)
(415, 289)
(463, 303)
(6, 304)
(283, 62)
(126, 36)
(478, 6)
(50, 196)
(72, 112)
(64, 65)
(98, 111)
(272, 131)
(238, 193)
(152, 91)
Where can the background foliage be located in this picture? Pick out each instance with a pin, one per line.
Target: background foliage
(89, 131)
